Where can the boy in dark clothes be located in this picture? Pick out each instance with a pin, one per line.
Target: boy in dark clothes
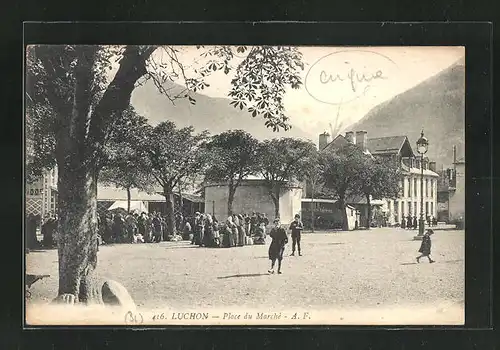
(277, 247)
(296, 226)
(425, 247)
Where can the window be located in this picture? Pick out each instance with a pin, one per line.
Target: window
(409, 208)
(426, 186)
(402, 208)
(404, 187)
(415, 187)
(415, 209)
(432, 189)
(426, 208)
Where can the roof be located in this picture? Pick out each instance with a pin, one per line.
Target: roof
(331, 201)
(385, 144)
(116, 194)
(418, 171)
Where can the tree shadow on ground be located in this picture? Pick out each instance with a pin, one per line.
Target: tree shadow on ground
(244, 275)
(182, 247)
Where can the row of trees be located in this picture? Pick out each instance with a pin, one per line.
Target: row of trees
(141, 156)
(164, 156)
(73, 101)
(77, 116)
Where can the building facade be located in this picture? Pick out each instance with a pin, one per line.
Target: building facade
(396, 149)
(252, 196)
(41, 195)
(457, 192)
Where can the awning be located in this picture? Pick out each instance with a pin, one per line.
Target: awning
(138, 206)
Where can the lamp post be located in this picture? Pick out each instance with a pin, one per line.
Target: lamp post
(422, 146)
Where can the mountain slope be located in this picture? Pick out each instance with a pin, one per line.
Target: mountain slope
(209, 113)
(436, 105)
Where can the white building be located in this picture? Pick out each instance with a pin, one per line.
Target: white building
(252, 196)
(396, 149)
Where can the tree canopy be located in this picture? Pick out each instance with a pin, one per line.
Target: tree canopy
(234, 157)
(282, 161)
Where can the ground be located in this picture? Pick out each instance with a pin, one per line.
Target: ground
(358, 269)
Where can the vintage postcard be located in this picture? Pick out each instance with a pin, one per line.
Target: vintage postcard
(244, 185)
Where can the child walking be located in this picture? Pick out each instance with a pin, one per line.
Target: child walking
(425, 247)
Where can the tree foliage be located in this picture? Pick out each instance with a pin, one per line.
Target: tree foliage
(233, 157)
(261, 80)
(122, 159)
(339, 174)
(379, 179)
(76, 93)
(282, 161)
(347, 172)
(174, 155)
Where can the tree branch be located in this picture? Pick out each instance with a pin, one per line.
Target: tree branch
(116, 98)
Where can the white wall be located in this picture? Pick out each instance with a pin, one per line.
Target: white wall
(250, 197)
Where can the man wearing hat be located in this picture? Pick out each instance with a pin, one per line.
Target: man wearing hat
(296, 226)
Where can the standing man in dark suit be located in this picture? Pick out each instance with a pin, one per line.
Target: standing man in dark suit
(296, 226)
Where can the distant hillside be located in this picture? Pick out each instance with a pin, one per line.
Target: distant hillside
(437, 105)
(209, 113)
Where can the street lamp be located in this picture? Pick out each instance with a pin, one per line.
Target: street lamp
(422, 146)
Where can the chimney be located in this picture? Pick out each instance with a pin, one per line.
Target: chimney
(361, 139)
(324, 140)
(350, 137)
(432, 166)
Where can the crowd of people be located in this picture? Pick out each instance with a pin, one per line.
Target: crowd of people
(411, 222)
(201, 229)
(236, 231)
(121, 227)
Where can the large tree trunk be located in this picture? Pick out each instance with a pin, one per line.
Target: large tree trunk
(168, 192)
(77, 185)
(369, 212)
(230, 199)
(181, 202)
(80, 134)
(345, 223)
(77, 243)
(275, 196)
(128, 200)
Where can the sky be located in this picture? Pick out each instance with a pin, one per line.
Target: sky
(341, 84)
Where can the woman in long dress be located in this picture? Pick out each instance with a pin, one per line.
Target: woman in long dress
(230, 232)
(208, 237)
(241, 231)
(236, 223)
(216, 229)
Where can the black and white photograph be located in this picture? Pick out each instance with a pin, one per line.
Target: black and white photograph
(244, 185)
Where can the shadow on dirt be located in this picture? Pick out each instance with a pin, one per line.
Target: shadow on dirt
(244, 275)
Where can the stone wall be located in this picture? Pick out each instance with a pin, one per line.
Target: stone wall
(252, 196)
